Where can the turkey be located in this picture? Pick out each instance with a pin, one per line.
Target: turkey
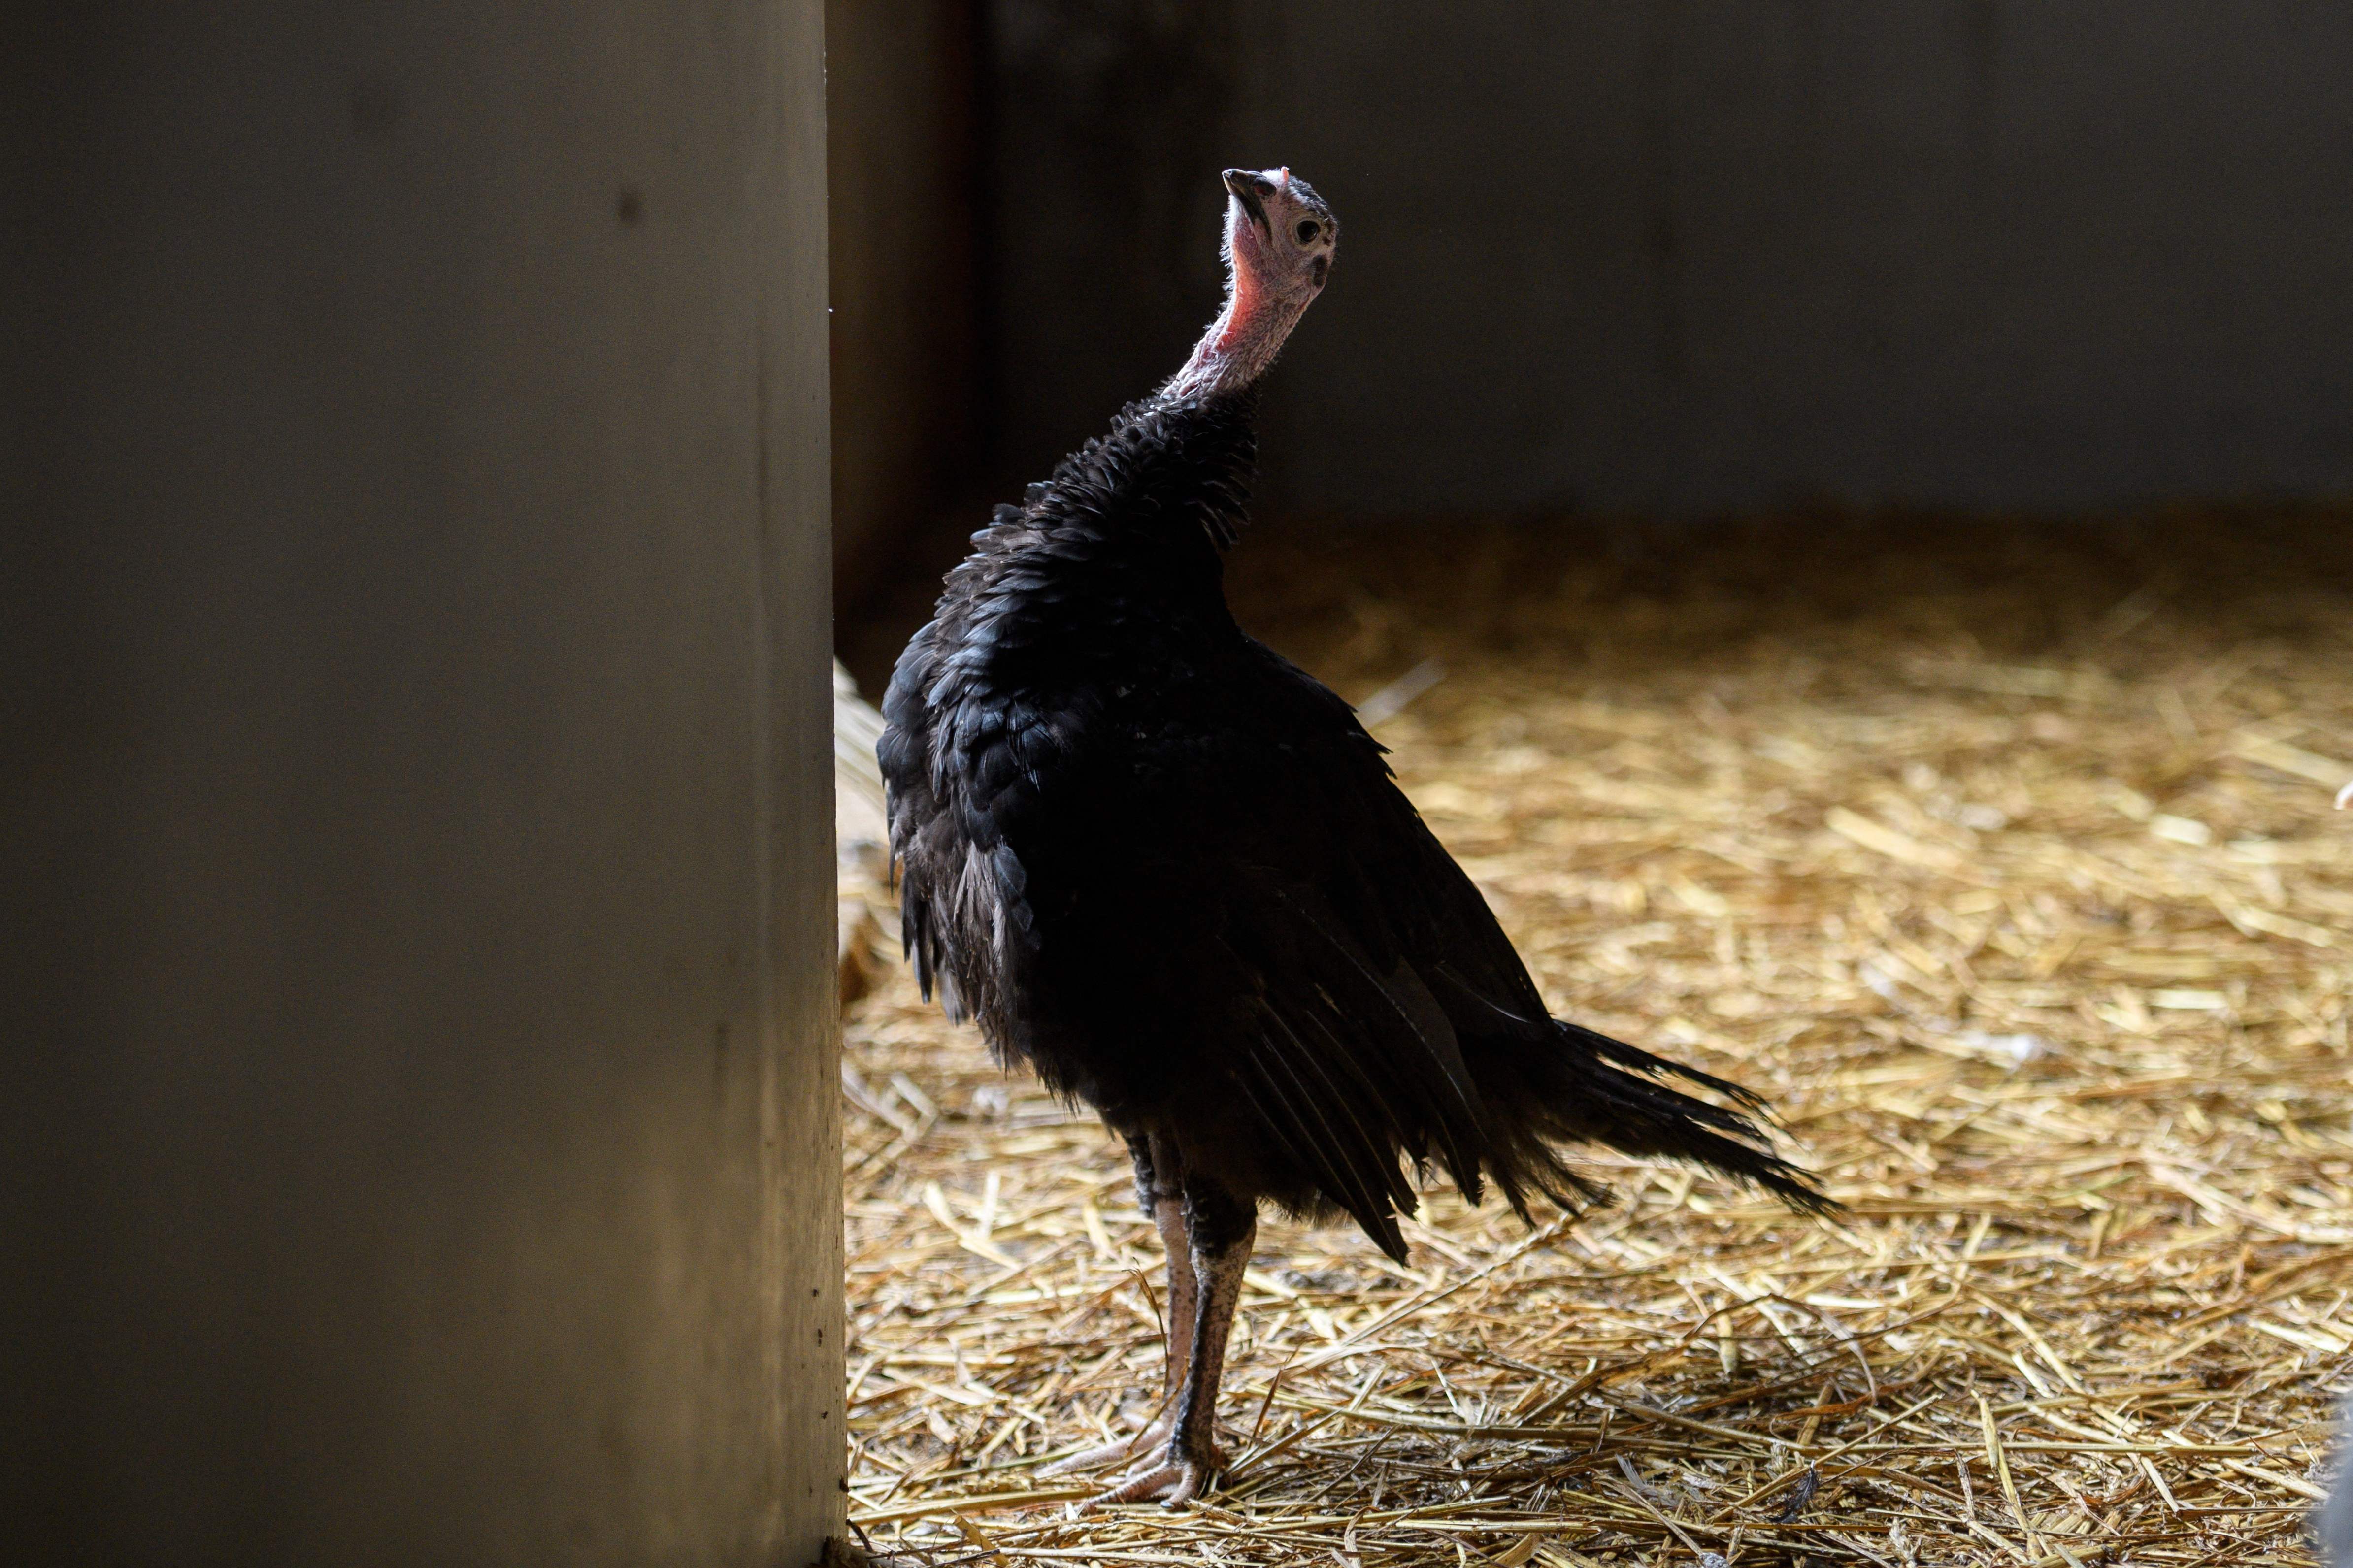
(1170, 872)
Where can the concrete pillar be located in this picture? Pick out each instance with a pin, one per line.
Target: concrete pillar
(421, 1132)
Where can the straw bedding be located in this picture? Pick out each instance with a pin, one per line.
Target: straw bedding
(2001, 859)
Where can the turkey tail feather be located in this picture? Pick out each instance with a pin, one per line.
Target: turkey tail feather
(1579, 1086)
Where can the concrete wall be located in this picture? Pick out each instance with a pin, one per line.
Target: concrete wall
(900, 86)
(421, 1132)
(1686, 255)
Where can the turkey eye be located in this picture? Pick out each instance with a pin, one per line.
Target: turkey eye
(1306, 232)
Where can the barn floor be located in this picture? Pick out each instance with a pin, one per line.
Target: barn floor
(2004, 862)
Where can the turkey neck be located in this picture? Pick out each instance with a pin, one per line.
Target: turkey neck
(1240, 343)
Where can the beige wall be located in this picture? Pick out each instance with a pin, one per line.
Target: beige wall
(420, 1144)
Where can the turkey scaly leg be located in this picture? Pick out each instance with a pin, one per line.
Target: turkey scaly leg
(1221, 1229)
(1158, 1189)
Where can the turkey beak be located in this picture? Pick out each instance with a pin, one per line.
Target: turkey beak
(1251, 190)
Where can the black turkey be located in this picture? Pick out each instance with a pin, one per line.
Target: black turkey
(1170, 871)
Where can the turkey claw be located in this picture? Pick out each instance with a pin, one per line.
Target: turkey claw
(1119, 1451)
(1173, 1479)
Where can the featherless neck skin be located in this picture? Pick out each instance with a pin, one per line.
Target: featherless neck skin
(1239, 346)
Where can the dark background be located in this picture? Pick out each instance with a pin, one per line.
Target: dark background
(1672, 259)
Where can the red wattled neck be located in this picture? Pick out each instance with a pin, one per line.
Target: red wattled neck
(1241, 343)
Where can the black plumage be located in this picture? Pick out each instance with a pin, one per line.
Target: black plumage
(1168, 871)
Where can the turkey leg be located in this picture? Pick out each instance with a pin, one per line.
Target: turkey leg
(1158, 1192)
(1220, 1228)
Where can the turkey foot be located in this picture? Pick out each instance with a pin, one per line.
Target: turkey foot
(1152, 1443)
(1173, 1478)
